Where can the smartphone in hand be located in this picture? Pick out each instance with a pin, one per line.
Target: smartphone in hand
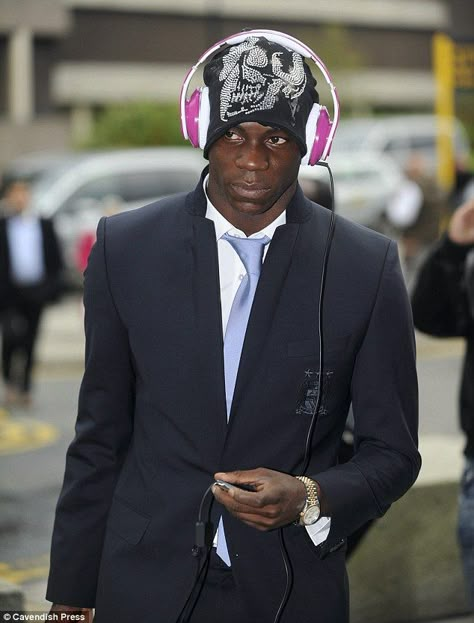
(227, 486)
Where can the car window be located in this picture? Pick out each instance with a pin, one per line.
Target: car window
(396, 145)
(93, 190)
(155, 183)
(422, 142)
(351, 135)
(357, 175)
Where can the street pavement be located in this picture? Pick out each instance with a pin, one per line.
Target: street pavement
(33, 443)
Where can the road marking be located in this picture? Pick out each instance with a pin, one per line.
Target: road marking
(429, 348)
(23, 434)
(25, 570)
(442, 458)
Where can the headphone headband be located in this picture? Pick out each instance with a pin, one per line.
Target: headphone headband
(277, 37)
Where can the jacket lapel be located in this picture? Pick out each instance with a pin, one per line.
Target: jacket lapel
(208, 339)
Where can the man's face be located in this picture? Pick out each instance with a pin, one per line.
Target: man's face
(17, 197)
(253, 173)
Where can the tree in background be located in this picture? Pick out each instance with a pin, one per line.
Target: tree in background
(341, 55)
(136, 124)
(334, 45)
(465, 113)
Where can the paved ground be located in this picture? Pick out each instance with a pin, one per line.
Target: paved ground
(31, 471)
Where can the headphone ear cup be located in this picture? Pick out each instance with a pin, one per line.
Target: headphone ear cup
(192, 108)
(321, 146)
(204, 116)
(310, 132)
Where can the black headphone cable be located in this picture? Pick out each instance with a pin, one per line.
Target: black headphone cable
(203, 540)
(312, 425)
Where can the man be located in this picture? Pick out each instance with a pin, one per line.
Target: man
(416, 212)
(30, 277)
(173, 395)
(443, 305)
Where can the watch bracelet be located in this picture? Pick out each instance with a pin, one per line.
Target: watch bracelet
(312, 496)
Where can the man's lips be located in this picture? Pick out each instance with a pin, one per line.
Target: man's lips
(249, 190)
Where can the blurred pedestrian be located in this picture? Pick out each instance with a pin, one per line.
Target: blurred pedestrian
(443, 306)
(85, 242)
(30, 277)
(463, 188)
(416, 213)
(110, 205)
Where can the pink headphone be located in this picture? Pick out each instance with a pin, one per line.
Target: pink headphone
(320, 130)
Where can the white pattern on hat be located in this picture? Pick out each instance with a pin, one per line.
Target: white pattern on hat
(246, 89)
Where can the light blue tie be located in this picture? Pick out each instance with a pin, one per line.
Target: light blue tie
(250, 251)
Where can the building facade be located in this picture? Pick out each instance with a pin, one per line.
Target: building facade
(60, 60)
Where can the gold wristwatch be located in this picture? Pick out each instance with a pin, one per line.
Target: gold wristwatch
(312, 508)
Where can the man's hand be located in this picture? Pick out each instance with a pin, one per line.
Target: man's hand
(87, 612)
(277, 500)
(461, 227)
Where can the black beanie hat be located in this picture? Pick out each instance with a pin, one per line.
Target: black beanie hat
(263, 81)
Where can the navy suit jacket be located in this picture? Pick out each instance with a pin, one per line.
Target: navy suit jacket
(152, 427)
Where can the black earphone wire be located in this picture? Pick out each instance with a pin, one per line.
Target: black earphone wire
(314, 419)
(201, 505)
(289, 576)
(201, 571)
(312, 425)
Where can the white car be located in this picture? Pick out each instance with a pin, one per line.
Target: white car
(86, 186)
(400, 136)
(364, 184)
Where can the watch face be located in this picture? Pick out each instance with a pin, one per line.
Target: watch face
(311, 515)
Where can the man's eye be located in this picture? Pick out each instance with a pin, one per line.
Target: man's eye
(277, 140)
(231, 135)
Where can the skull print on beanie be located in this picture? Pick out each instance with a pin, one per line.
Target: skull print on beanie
(262, 81)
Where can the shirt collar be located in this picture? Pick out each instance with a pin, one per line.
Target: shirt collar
(223, 226)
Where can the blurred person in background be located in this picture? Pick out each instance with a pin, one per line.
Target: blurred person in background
(30, 277)
(87, 235)
(443, 306)
(416, 214)
(463, 188)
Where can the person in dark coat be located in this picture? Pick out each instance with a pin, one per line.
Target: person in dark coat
(443, 306)
(30, 278)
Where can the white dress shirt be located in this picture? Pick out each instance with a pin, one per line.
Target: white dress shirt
(405, 206)
(25, 248)
(231, 273)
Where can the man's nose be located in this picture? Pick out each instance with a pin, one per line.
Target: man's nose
(253, 157)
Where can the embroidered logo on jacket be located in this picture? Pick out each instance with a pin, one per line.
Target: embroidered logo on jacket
(308, 394)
